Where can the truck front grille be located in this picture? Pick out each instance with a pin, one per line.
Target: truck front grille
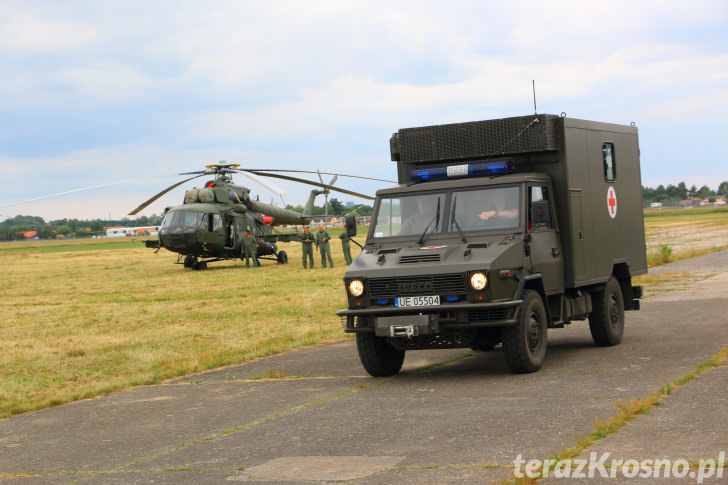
(444, 284)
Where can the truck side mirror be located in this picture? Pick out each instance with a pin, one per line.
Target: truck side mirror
(540, 213)
(350, 225)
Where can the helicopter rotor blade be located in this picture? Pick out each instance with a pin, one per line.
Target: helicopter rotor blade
(255, 178)
(68, 192)
(82, 189)
(256, 170)
(144, 204)
(311, 182)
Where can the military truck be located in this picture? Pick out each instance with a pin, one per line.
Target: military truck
(497, 231)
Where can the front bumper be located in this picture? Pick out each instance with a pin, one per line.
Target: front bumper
(429, 319)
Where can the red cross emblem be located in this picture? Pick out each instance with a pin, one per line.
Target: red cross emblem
(612, 202)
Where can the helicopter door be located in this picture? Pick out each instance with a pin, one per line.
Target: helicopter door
(216, 228)
(230, 233)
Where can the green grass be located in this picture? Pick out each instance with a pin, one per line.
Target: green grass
(667, 216)
(72, 245)
(78, 323)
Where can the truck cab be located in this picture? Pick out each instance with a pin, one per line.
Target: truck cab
(494, 235)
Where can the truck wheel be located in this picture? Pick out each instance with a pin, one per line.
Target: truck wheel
(378, 357)
(606, 320)
(524, 344)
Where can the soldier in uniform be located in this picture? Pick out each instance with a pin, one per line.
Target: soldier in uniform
(307, 242)
(322, 242)
(346, 246)
(250, 250)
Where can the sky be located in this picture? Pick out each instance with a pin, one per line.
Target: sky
(122, 96)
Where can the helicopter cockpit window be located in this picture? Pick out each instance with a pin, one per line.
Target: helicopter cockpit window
(185, 218)
(168, 218)
(191, 218)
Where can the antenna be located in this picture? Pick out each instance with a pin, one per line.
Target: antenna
(533, 83)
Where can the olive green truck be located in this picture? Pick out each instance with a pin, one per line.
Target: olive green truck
(497, 231)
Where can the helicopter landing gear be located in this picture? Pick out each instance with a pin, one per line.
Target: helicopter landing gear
(282, 257)
(192, 263)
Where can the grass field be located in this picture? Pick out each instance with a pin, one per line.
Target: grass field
(99, 315)
(85, 317)
(682, 233)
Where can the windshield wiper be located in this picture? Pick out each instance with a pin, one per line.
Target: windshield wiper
(454, 221)
(435, 220)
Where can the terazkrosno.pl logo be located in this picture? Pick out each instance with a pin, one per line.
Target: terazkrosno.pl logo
(601, 466)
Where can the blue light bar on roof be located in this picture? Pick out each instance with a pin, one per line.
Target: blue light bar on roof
(498, 167)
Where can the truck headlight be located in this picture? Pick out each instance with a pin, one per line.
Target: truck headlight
(356, 287)
(478, 281)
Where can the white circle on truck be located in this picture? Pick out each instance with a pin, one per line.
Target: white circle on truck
(612, 202)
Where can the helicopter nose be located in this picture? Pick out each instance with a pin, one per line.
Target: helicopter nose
(178, 237)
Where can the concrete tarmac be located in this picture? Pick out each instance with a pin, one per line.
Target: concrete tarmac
(450, 416)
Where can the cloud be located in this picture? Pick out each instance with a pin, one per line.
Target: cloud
(105, 91)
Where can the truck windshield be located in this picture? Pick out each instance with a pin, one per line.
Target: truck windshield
(485, 208)
(469, 210)
(409, 215)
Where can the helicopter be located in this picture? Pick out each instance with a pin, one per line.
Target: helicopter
(208, 226)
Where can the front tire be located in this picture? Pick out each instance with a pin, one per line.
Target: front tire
(378, 357)
(524, 344)
(282, 257)
(606, 321)
(189, 262)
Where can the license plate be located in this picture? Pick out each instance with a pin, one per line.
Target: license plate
(413, 301)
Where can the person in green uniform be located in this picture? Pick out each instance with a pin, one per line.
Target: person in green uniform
(250, 250)
(307, 242)
(322, 242)
(346, 246)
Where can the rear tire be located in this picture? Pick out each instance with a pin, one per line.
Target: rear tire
(378, 357)
(606, 321)
(524, 344)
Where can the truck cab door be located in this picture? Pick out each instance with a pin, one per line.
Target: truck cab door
(545, 248)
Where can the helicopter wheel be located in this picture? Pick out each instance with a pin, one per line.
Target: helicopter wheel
(189, 262)
(201, 265)
(282, 257)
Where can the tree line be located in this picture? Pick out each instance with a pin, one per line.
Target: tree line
(676, 193)
(14, 228)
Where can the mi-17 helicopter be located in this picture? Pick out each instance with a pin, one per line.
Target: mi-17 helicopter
(209, 225)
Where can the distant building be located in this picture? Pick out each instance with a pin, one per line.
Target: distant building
(118, 231)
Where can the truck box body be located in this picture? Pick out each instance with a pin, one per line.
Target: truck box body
(571, 152)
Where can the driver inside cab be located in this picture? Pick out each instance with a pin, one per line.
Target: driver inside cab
(501, 207)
